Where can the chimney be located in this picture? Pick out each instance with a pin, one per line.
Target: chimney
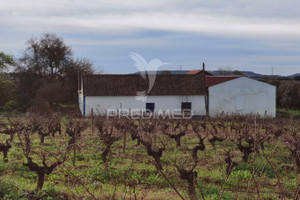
(205, 91)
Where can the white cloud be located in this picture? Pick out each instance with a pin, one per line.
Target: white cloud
(254, 19)
(273, 25)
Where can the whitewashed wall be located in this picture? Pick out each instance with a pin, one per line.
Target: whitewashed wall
(242, 96)
(101, 103)
(80, 98)
(80, 101)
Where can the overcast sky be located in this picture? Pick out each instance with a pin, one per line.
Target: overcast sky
(255, 35)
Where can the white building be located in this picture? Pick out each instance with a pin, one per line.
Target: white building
(240, 95)
(101, 94)
(170, 93)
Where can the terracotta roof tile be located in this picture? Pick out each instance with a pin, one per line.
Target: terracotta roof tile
(194, 71)
(198, 71)
(130, 84)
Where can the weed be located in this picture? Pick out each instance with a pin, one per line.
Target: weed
(238, 178)
(9, 191)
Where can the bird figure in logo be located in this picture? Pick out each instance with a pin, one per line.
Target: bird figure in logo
(147, 71)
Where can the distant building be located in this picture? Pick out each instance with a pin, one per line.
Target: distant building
(224, 95)
(198, 71)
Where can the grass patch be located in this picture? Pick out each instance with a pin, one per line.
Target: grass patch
(285, 112)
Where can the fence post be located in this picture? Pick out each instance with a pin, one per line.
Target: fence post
(92, 112)
(124, 142)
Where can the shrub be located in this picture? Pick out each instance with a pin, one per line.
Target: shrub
(11, 105)
(23, 101)
(6, 90)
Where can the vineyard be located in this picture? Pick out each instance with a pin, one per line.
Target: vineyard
(64, 157)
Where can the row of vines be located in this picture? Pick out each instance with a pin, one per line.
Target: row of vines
(225, 158)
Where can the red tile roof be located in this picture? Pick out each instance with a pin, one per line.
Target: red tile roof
(198, 71)
(214, 80)
(194, 72)
(130, 84)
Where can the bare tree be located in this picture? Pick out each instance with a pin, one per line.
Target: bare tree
(292, 140)
(47, 56)
(32, 152)
(176, 130)
(4, 147)
(41, 171)
(74, 128)
(108, 135)
(147, 137)
(10, 130)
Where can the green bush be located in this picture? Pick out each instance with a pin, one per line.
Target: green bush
(11, 105)
(7, 89)
(23, 101)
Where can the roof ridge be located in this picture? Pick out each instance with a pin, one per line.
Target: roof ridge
(224, 76)
(188, 75)
(130, 84)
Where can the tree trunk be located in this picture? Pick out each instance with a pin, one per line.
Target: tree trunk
(42, 139)
(41, 179)
(192, 191)
(105, 154)
(51, 75)
(157, 160)
(5, 156)
(74, 157)
(124, 143)
(178, 143)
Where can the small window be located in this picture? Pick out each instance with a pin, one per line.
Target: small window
(150, 107)
(186, 108)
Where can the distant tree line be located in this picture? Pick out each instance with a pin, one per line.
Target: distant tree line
(45, 76)
(287, 93)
